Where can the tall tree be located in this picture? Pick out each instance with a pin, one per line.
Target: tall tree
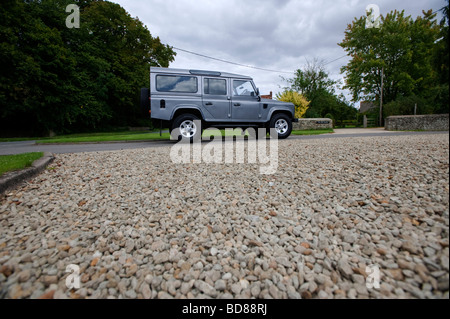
(314, 83)
(441, 65)
(62, 79)
(397, 54)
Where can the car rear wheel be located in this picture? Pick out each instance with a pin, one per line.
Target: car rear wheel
(187, 128)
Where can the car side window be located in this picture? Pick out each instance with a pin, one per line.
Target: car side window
(243, 88)
(215, 86)
(180, 84)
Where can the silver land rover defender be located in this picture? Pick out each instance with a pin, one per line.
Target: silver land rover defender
(182, 99)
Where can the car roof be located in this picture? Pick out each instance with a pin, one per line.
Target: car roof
(197, 72)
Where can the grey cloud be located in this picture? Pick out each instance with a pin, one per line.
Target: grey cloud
(270, 34)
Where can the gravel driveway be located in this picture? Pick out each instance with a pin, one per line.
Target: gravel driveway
(138, 226)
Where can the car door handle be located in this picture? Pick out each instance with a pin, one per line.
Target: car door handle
(208, 103)
(237, 104)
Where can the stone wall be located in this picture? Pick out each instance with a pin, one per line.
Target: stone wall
(313, 124)
(435, 122)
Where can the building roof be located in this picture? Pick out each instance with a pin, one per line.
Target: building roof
(269, 96)
(198, 72)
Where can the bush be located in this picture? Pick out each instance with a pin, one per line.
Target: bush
(300, 102)
(406, 105)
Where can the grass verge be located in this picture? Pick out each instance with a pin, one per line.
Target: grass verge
(105, 137)
(18, 139)
(137, 136)
(313, 132)
(17, 162)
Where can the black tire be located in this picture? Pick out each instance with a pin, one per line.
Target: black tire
(282, 119)
(180, 128)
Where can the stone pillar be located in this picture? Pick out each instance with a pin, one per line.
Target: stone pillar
(365, 121)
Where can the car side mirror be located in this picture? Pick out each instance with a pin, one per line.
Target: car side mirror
(257, 95)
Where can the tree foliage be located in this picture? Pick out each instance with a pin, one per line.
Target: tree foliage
(300, 102)
(408, 105)
(64, 79)
(407, 54)
(314, 83)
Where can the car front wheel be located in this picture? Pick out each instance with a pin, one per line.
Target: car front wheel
(281, 125)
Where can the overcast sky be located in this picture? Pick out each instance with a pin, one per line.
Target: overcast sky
(279, 35)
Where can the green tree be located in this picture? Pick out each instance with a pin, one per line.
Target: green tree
(408, 105)
(398, 54)
(128, 49)
(35, 83)
(61, 79)
(440, 93)
(314, 83)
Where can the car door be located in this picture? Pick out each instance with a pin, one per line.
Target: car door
(245, 105)
(216, 100)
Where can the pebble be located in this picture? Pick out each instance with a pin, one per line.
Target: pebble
(345, 269)
(205, 288)
(220, 285)
(141, 227)
(146, 291)
(24, 275)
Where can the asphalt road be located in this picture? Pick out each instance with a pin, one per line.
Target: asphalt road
(9, 148)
